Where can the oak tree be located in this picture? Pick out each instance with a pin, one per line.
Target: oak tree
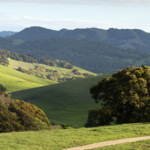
(124, 97)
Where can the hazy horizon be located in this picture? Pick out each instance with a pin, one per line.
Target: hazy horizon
(15, 15)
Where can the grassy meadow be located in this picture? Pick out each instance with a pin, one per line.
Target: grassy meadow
(64, 103)
(65, 138)
(14, 80)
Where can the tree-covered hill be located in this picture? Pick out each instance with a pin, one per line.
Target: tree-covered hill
(94, 56)
(126, 38)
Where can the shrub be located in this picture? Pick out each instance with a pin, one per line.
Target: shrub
(18, 115)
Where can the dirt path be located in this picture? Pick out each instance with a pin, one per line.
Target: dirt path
(107, 143)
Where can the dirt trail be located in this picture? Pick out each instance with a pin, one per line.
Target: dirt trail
(107, 143)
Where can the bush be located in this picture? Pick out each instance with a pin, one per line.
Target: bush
(18, 115)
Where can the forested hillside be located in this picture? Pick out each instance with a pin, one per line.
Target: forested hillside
(126, 38)
(94, 56)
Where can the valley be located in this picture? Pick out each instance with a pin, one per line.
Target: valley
(55, 70)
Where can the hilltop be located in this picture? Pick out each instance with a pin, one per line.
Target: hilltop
(125, 38)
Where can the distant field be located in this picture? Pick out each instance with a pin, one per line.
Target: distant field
(65, 138)
(14, 80)
(15, 64)
(64, 103)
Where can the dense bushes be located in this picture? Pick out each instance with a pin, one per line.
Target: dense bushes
(16, 115)
(51, 62)
(4, 54)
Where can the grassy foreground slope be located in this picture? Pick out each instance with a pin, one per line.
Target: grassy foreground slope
(64, 103)
(14, 80)
(62, 139)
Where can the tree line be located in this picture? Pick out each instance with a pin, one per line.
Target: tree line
(5, 55)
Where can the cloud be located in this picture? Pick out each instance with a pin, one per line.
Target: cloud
(26, 21)
(81, 2)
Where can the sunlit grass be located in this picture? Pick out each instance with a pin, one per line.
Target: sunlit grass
(14, 80)
(65, 138)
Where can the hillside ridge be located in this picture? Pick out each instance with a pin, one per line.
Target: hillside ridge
(126, 38)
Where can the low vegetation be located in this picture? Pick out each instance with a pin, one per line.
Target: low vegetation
(66, 138)
(16, 115)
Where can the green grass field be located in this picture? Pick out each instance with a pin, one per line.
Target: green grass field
(14, 80)
(64, 103)
(66, 138)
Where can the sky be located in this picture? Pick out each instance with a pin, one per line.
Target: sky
(15, 15)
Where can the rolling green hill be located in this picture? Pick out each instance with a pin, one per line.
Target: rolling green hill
(14, 80)
(64, 103)
(15, 64)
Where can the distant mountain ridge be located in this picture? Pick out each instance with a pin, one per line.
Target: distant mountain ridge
(125, 38)
(6, 33)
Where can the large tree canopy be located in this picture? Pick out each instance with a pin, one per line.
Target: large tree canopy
(124, 97)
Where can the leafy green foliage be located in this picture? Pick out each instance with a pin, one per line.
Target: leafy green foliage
(4, 54)
(18, 115)
(56, 62)
(125, 97)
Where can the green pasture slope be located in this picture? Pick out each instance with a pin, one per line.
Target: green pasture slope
(14, 80)
(64, 103)
(65, 138)
(15, 64)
